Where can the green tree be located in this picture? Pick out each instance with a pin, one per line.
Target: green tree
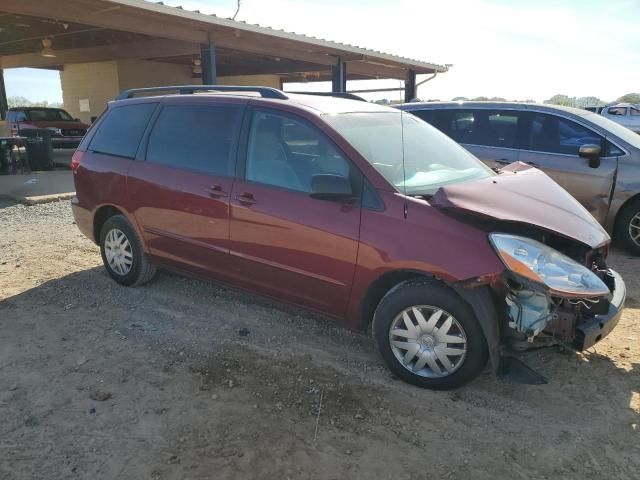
(629, 98)
(25, 102)
(560, 99)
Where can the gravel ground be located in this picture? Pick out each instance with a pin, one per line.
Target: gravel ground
(186, 379)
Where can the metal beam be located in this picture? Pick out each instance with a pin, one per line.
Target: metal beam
(410, 86)
(339, 77)
(121, 51)
(4, 105)
(208, 57)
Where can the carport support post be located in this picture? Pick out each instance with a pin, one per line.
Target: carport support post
(410, 86)
(339, 77)
(208, 58)
(4, 106)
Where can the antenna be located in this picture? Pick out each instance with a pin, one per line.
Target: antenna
(404, 172)
(237, 10)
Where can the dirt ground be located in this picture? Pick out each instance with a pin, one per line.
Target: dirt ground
(186, 379)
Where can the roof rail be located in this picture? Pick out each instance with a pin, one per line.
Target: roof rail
(265, 92)
(348, 95)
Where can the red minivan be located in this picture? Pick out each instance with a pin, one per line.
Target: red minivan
(359, 211)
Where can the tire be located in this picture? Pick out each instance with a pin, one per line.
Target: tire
(629, 222)
(427, 297)
(131, 266)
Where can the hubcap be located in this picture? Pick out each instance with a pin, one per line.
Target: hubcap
(428, 341)
(634, 229)
(117, 249)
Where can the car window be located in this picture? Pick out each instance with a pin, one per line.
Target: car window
(426, 115)
(413, 156)
(286, 152)
(480, 127)
(635, 112)
(548, 133)
(195, 137)
(121, 130)
(502, 130)
(48, 115)
(617, 111)
(20, 117)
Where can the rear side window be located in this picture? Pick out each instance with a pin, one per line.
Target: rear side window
(635, 112)
(426, 115)
(121, 130)
(195, 137)
(480, 127)
(553, 134)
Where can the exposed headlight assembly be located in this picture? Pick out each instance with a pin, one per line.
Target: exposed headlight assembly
(544, 265)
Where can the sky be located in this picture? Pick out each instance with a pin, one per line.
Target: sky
(517, 49)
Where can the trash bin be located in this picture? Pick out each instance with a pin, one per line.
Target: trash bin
(39, 148)
(13, 155)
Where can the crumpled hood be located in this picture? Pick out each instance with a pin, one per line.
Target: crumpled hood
(522, 193)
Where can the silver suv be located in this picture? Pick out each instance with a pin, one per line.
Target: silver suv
(595, 159)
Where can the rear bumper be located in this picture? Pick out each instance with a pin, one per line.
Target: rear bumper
(83, 218)
(593, 330)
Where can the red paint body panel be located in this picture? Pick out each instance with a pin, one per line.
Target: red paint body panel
(426, 241)
(292, 246)
(182, 215)
(100, 180)
(527, 195)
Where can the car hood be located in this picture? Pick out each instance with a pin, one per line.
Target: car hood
(60, 124)
(521, 193)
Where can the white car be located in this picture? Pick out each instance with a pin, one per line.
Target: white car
(625, 114)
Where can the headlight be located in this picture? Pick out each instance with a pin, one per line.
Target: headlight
(542, 264)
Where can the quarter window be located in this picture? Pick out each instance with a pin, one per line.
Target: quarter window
(286, 152)
(195, 137)
(121, 130)
(552, 134)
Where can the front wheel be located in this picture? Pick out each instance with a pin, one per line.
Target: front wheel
(428, 336)
(122, 253)
(628, 227)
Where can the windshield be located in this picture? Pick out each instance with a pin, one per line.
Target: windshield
(431, 159)
(623, 133)
(48, 115)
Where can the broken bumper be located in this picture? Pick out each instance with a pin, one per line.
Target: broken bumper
(593, 330)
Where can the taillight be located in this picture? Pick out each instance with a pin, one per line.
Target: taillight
(75, 160)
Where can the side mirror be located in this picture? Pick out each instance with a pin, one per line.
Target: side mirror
(327, 186)
(77, 119)
(592, 153)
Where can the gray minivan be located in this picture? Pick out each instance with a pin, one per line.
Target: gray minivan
(595, 159)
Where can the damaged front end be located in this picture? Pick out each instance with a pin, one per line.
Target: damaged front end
(552, 299)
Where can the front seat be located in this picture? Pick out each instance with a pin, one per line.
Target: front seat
(267, 161)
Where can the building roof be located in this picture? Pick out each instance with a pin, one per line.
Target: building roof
(212, 19)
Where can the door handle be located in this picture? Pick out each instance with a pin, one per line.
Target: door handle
(502, 161)
(246, 198)
(216, 191)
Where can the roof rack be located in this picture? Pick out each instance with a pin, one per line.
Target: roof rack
(265, 92)
(348, 95)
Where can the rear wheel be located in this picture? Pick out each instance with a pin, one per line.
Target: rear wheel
(429, 336)
(628, 227)
(122, 253)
